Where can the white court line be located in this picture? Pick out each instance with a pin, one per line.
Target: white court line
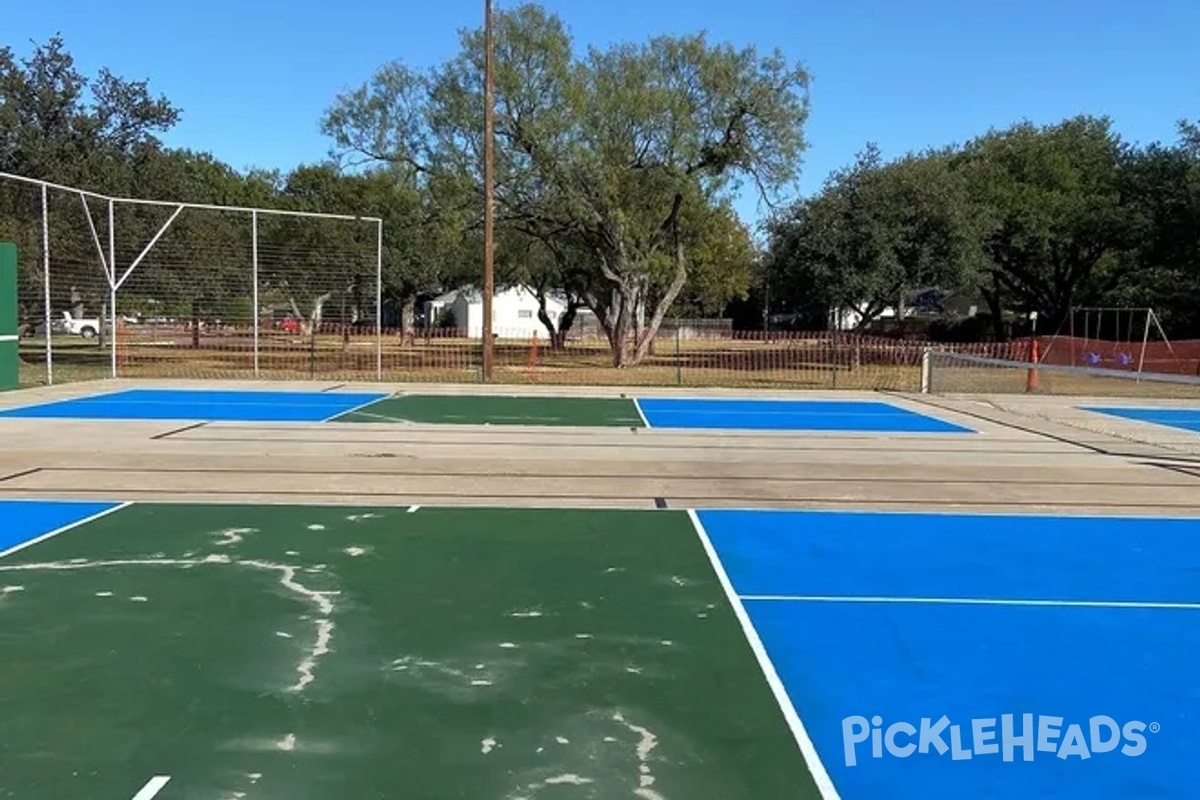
(638, 408)
(9, 337)
(57, 401)
(383, 417)
(152, 787)
(952, 512)
(809, 751)
(64, 528)
(964, 601)
(358, 407)
(413, 509)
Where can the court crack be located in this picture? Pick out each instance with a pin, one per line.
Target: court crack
(320, 600)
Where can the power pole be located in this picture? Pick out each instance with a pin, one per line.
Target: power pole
(489, 214)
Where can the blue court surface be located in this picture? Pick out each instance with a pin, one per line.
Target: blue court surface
(789, 415)
(950, 656)
(183, 405)
(24, 521)
(1184, 419)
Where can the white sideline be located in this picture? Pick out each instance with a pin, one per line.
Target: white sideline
(809, 751)
(966, 601)
(152, 787)
(349, 411)
(64, 528)
(637, 407)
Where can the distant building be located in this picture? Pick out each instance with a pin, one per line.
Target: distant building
(927, 302)
(514, 312)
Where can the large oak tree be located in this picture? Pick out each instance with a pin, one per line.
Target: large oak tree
(612, 150)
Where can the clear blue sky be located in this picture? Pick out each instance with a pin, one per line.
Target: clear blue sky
(254, 76)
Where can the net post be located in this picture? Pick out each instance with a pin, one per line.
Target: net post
(926, 370)
(1031, 375)
(46, 283)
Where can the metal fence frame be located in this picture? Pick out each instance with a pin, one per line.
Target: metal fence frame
(116, 277)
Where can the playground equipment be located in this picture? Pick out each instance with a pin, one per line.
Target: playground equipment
(1113, 338)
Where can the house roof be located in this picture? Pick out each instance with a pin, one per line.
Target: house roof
(446, 298)
(554, 299)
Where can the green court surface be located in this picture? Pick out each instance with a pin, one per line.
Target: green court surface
(500, 410)
(317, 652)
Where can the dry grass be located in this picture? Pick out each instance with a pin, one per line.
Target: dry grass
(792, 363)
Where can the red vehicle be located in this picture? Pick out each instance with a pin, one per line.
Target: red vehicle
(289, 325)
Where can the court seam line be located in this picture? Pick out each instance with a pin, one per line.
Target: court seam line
(1111, 449)
(22, 474)
(432, 427)
(836, 479)
(638, 408)
(1095, 449)
(968, 601)
(837, 506)
(184, 429)
(807, 749)
(1179, 469)
(63, 529)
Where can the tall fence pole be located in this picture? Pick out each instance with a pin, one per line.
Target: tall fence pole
(678, 355)
(46, 283)
(489, 210)
(254, 277)
(379, 301)
(112, 285)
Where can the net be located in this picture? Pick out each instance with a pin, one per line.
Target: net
(1072, 399)
(958, 373)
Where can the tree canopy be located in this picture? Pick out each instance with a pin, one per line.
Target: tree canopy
(617, 168)
(1028, 219)
(616, 160)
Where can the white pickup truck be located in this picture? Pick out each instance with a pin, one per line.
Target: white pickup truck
(87, 328)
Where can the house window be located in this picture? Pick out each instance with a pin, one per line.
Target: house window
(525, 314)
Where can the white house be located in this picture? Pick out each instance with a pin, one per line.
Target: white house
(922, 302)
(514, 312)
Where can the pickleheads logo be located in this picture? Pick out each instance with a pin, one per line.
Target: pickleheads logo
(1028, 733)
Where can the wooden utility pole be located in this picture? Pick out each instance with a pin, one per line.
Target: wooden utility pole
(489, 216)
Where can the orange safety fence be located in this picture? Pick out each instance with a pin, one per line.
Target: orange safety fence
(817, 360)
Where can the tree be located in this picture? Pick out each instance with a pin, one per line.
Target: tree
(1160, 187)
(875, 233)
(60, 125)
(1058, 229)
(606, 151)
(721, 260)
